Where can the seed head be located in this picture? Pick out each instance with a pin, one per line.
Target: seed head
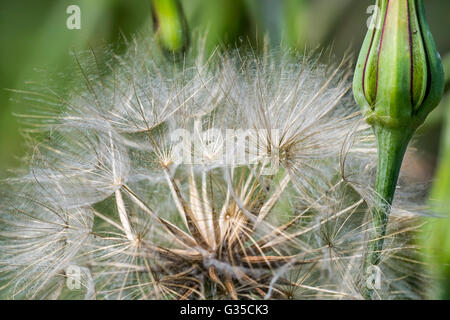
(237, 176)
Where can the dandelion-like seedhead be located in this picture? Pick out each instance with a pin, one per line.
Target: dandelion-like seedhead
(234, 175)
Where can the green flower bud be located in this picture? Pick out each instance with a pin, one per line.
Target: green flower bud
(399, 77)
(399, 80)
(170, 25)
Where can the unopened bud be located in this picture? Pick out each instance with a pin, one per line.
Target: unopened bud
(399, 77)
(170, 25)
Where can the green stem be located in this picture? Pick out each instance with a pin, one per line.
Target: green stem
(392, 144)
(446, 64)
(436, 238)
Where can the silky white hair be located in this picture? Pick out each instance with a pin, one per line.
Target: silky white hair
(106, 193)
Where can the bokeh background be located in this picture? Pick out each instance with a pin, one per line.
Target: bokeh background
(34, 37)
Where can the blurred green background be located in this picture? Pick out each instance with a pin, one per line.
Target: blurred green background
(34, 36)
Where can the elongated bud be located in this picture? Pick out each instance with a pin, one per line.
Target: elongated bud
(399, 77)
(399, 80)
(170, 25)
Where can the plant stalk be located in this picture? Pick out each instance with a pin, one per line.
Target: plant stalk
(392, 144)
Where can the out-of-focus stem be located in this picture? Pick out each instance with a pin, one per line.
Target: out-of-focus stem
(169, 23)
(446, 64)
(437, 237)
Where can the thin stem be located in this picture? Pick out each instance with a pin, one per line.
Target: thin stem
(392, 144)
(446, 64)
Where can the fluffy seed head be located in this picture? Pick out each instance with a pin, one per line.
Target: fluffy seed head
(238, 176)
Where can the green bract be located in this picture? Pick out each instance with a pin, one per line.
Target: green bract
(399, 77)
